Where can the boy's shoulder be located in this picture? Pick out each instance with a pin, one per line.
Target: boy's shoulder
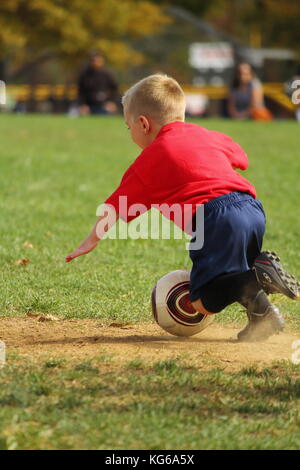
(177, 136)
(191, 132)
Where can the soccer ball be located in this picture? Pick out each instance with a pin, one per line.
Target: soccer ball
(172, 308)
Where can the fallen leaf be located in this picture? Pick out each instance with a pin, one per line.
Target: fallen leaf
(48, 318)
(27, 244)
(21, 262)
(42, 318)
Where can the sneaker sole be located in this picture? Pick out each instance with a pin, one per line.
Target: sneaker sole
(280, 281)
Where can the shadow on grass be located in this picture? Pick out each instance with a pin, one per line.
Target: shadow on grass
(132, 339)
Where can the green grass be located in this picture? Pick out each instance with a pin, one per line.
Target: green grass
(169, 405)
(54, 173)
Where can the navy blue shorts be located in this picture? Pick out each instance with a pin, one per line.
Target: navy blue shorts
(234, 226)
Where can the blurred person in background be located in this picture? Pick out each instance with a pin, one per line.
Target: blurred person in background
(245, 98)
(97, 88)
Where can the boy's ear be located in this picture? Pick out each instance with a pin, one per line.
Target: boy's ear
(145, 124)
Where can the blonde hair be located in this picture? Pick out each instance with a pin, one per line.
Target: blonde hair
(158, 96)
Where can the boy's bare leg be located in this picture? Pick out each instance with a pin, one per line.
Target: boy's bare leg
(199, 307)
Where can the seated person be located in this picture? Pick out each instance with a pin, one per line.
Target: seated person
(246, 96)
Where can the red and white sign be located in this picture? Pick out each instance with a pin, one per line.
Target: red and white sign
(211, 55)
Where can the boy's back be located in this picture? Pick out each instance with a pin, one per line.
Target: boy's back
(185, 164)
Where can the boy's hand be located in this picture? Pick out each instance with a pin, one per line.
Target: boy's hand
(86, 246)
(104, 222)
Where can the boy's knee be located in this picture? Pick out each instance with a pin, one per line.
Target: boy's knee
(199, 307)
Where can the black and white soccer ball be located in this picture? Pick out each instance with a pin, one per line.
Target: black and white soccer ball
(172, 308)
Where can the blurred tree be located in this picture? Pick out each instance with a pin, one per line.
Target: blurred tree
(277, 23)
(194, 6)
(32, 31)
(252, 23)
(258, 23)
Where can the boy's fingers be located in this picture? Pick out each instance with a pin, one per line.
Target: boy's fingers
(71, 256)
(75, 254)
(78, 252)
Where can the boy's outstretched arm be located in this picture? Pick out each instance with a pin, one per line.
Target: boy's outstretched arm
(103, 224)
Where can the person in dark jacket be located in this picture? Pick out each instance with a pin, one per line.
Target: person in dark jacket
(97, 88)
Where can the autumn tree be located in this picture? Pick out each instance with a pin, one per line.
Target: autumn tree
(258, 23)
(32, 31)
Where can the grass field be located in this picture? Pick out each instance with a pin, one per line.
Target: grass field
(54, 173)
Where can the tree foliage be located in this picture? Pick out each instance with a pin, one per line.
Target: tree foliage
(275, 22)
(35, 28)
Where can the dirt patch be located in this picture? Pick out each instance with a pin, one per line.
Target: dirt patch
(121, 343)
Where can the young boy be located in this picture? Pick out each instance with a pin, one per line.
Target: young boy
(185, 164)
